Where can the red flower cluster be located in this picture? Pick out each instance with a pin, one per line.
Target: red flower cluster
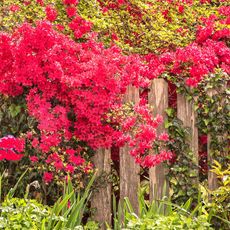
(14, 8)
(69, 2)
(10, 148)
(153, 160)
(48, 177)
(196, 60)
(78, 25)
(71, 12)
(51, 13)
(41, 2)
(70, 88)
(140, 133)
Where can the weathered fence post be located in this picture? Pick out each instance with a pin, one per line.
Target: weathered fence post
(129, 170)
(158, 98)
(101, 199)
(187, 115)
(212, 179)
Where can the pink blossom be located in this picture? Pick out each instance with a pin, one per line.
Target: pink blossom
(163, 137)
(181, 9)
(51, 13)
(41, 2)
(76, 160)
(14, 8)
(69, 168)
(34, 159)
(58, 165)
(47, 177)
(69, 2)
(71, 11)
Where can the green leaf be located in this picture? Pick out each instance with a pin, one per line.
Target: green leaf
(12, 190)
(14, 110)
(167, 124)
(169, 112)
(206, 121)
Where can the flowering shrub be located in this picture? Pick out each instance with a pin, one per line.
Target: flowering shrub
(136, 25)
(140, 132)
(69, 89)
(198, 60)
(153, 26)
(201, 26)
(11, 148)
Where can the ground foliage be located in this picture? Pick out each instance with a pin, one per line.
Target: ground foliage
(186, 42)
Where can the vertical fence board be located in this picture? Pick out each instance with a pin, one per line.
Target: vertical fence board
(101, 199)
(212, 179)
(158, 98)
(129, 170)
(186, 114)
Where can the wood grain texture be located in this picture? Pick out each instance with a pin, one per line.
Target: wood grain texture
(129, 170)
(212, 179)
(158, 98)
(187, 115)
(101, 199)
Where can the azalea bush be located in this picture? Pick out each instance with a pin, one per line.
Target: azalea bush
(61, 78)
(70, 89)
(65, 69)
(136, 25)
(11, 148)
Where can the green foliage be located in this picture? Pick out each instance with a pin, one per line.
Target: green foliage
(70, 207)
(222, 194)
(220, 197)
(26, 13)
(144, 28)
(141, 27)
(160, 215)
(34, 11)
(213, 113)
(67, 212)
(91, 225)
(183, 171)
(211, 103)
(17, 213)
(173, 221)
(15, 120)
(25, 214)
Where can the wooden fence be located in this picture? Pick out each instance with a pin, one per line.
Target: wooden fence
(129, 170)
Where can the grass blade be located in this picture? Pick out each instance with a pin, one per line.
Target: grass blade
(10, 194)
